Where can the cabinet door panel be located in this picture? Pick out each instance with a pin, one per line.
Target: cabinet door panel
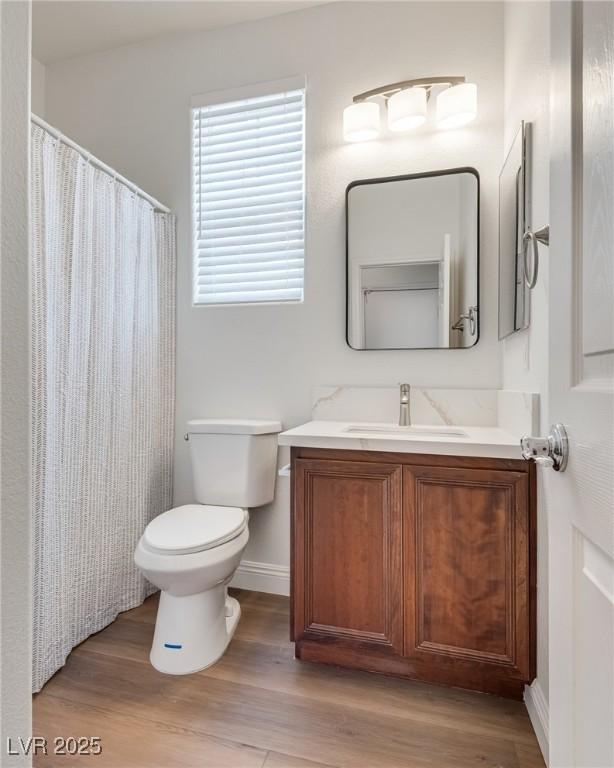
(347, 534)
(467, 566)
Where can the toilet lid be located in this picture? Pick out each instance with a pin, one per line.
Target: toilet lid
(194, 528)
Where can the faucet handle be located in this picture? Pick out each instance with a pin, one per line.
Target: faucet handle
(404, 389)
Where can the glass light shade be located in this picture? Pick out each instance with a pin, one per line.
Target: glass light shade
(457, 105)
(407, 109)
(361, 121)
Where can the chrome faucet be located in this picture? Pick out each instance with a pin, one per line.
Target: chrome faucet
(404, 420)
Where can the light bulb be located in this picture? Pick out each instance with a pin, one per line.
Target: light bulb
(407, 109)
(361, 121)
(457, 105)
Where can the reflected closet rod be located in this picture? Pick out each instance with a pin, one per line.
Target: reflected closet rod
(98, 163)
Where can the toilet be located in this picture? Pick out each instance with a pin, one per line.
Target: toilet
(191, 552)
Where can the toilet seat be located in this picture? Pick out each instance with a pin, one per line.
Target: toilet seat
(194, 528)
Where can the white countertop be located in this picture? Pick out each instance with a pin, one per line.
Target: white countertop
(491, 442)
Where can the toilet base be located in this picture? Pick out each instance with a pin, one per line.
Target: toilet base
(193, 631)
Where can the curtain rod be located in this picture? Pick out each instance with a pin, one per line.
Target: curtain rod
(98, 163)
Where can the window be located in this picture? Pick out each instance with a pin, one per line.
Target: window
(248, 196)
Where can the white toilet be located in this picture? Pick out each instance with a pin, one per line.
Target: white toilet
(191, 552)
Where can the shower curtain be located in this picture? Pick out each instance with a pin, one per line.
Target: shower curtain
(103, 305)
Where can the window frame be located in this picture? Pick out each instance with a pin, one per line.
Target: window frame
(209, 98)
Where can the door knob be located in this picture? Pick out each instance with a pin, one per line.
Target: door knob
(551, 451)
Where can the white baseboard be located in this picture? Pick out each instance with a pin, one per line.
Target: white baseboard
(262, 577)
(537, 707)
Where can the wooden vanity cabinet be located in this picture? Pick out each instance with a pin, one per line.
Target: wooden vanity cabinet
(415, 565)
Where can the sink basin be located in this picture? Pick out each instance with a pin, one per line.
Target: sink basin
(394, 429)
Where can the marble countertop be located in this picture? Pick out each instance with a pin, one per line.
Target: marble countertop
(491, 442)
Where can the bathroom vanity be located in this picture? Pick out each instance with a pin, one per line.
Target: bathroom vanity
(413, 552)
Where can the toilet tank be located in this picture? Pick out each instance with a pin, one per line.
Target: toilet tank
(234, 461)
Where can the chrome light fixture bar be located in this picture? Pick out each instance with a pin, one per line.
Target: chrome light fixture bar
(406, 103)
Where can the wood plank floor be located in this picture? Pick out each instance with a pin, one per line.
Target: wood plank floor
(260, 708)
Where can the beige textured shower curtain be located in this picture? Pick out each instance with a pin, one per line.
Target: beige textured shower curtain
(103, 304)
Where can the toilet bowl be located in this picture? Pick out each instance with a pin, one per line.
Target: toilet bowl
(191, 552)
(196, 619)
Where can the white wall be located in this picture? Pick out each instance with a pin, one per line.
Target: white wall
(525, 357)
(38, 88)
(131, 107)
(15, 545)
(526, 95)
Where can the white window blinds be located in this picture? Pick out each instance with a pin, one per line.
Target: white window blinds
(249, 199)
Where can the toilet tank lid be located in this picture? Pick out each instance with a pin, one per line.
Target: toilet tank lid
(233, 427)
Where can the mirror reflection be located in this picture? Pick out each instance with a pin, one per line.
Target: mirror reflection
(412, 261)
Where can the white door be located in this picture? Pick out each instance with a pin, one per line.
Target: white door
(581, 277)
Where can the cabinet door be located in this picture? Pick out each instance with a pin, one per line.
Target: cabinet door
(347, 573)
(467, 569)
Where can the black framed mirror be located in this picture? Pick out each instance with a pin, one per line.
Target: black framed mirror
(412, 261)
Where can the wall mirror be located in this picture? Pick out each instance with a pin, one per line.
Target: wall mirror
(514, 206)
(412, 245)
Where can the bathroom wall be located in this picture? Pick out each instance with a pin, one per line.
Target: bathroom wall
(15, 544)
(38, 87)
(131, 107)
(525, 354)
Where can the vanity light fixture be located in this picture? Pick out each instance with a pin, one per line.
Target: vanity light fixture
(406, 104)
